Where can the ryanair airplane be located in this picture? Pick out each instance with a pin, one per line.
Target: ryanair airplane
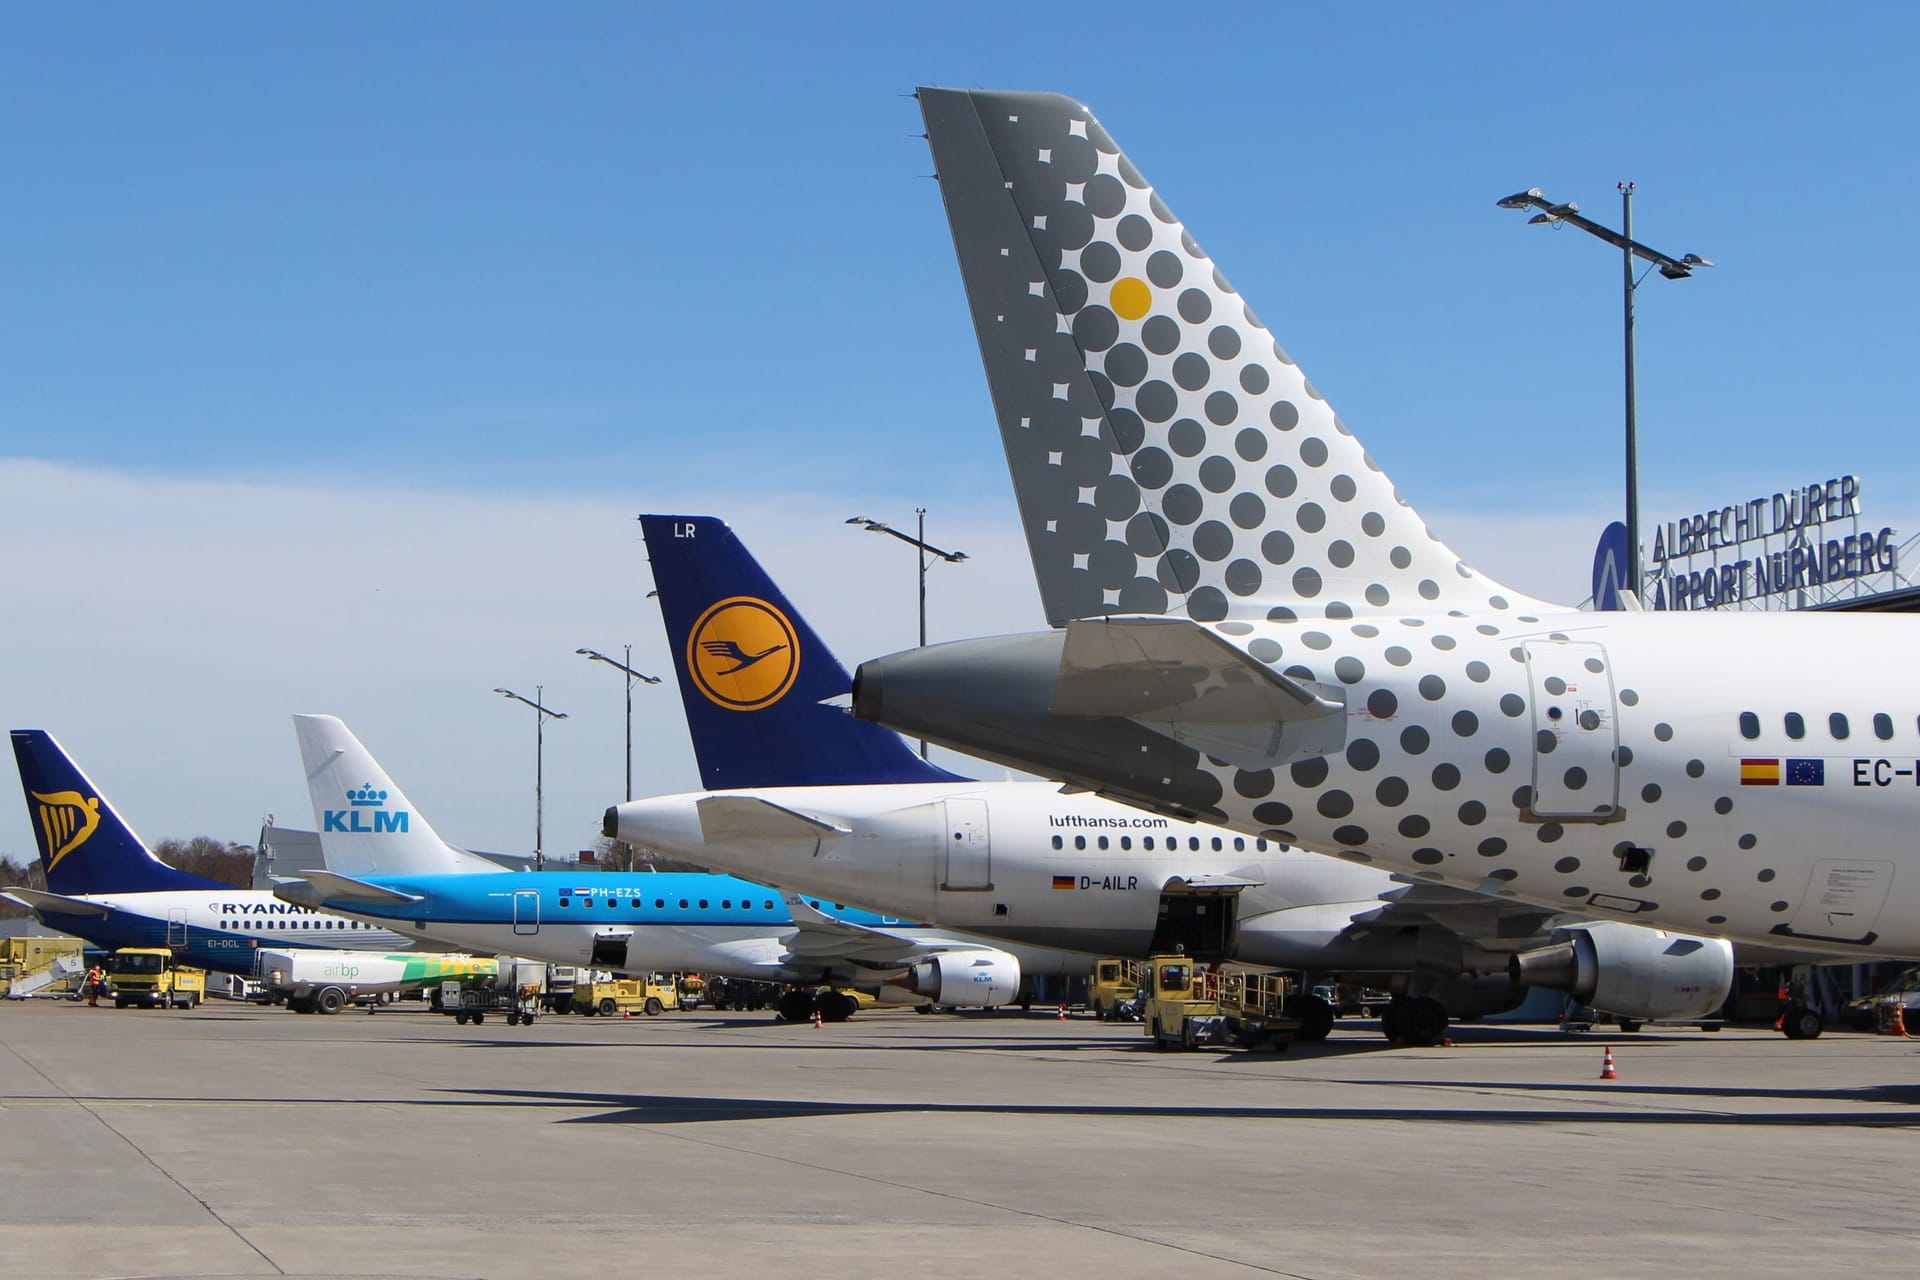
(106, 886)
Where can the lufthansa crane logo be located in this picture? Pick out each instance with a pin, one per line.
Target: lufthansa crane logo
(67, 818)
(743, 654)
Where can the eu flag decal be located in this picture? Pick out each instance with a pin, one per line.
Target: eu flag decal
(1806, 773)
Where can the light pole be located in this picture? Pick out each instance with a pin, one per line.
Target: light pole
(1672, 268)
(541, 715)
(596, 656)
(925, 548)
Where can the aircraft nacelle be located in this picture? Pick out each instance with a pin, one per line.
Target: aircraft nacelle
(1631, 971)
(969, 979)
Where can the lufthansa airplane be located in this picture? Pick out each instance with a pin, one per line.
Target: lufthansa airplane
(803, 796)
(105, 886)
(628, 921)
(1256, 630)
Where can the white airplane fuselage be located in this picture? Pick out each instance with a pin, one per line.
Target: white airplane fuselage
(1752, 776)
(1025, 862)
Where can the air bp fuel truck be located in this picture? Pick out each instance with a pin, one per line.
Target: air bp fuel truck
(315, 981)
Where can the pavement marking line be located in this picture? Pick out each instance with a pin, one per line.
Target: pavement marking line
(153, 1164)
(982, 1204)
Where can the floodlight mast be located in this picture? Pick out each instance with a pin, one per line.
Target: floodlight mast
(541, 715)
(1680, 268)
(925, 548)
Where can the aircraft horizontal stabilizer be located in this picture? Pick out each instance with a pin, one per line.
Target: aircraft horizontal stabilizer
(38, 901)
(329, 887)
(729, 818)
(1182, 679)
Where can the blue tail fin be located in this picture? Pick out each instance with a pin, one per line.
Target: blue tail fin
(84, 847)
(753, 675)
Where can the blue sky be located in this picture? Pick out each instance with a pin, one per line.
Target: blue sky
(350, 264)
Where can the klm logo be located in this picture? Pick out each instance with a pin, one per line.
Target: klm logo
(366, 814)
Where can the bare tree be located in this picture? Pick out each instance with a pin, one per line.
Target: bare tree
(209, 859)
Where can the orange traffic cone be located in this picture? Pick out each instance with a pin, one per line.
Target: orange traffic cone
(1063, 1012)
(817, 1023)
(626, 1013)
(1606, 1066)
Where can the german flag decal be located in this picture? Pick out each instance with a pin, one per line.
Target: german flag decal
(1760, 773)
(1063, 882)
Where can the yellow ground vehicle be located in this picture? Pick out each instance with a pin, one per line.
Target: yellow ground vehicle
(1113, 981)
(1190, 1005)
(610, 997)
(147, 976)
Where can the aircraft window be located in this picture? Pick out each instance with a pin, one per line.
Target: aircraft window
(1216, 844)
(814, 903)
(683, 904)
(1103, 842)
(767, 905)
(659, 904)
(1239, 844)
(1883, 726)
(1837, 726)
(636, 904)
(839, 906)
(565, 901)
(1749, 725)
(703, 904)
(726, 904)
(1058, 843)
(1147, 844)
(1260, 844)
(1126, 842)
(1079, 842)
(586, 902)
(1193, 844)
(1796, 726)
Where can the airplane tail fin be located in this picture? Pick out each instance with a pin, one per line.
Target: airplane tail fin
(84, 846)
(754, 677)
(1167, 454)
(367, 825)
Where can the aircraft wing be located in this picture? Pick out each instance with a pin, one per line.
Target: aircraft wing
(1496, 923)
(1184, 680)
(820, 939)
(39, 901)
(316, 887)
(725, 819)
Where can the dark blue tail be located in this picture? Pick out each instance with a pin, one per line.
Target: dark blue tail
(753, 674)
(84, 846)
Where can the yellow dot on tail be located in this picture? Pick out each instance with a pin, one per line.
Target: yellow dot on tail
(1130, 297)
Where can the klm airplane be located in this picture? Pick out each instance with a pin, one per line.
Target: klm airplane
(105, 886)
(627, 921)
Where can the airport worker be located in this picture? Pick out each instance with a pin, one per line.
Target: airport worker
(96, 985)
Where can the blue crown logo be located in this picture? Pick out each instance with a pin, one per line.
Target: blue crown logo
(366, 796)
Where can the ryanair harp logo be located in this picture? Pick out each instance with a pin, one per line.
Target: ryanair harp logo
(743, 654)
(67, 818)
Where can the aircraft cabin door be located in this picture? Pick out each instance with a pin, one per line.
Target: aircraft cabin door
(526, 911)
(1576, 733)
(176, 926)
(969, 864)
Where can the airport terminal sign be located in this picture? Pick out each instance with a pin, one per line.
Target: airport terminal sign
(1769, 546)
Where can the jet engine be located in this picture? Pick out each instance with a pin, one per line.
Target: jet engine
(1631, 970)
(975, 978)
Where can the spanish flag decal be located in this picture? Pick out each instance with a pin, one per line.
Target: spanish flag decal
(1063, 882)
(1760, 773)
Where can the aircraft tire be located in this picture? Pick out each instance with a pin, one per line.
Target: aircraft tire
(1801, 1023)
(1422, 1021)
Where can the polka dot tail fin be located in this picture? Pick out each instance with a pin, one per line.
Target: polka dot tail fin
(1167, 454)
